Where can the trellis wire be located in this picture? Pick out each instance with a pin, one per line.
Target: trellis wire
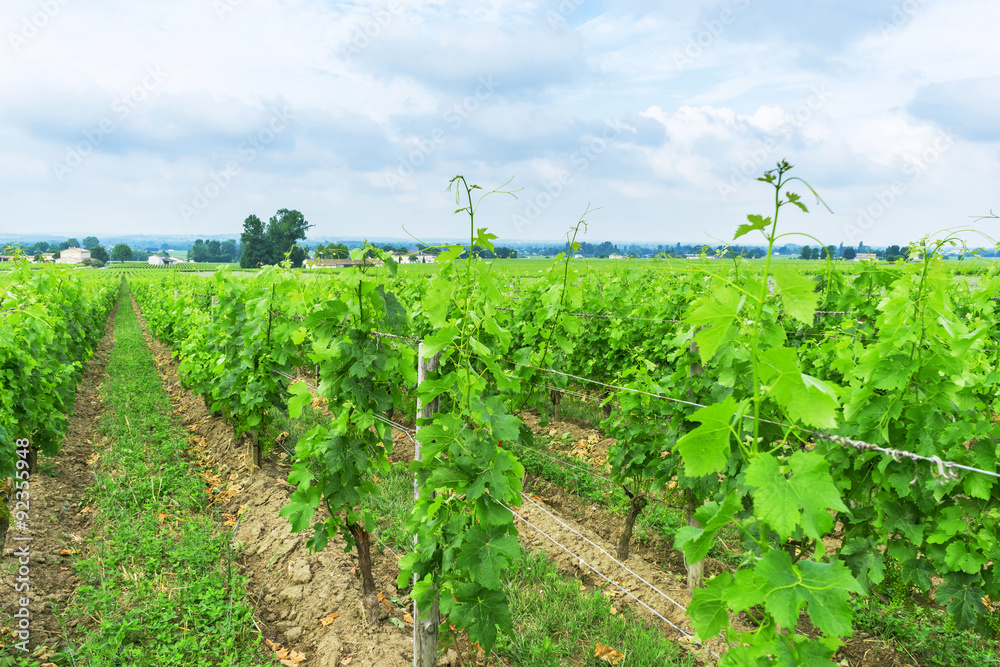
(944, 467)
(606, 578)
(613, 559)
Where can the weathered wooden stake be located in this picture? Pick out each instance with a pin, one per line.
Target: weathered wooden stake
(32, 459)
(556, 397)
(425, 621)
(254, 449)
(695, 571)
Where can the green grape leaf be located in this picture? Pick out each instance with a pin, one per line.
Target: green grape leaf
(705, 449)
(964, 602)
(805, 398)
(439, 340)
(713, 517)
(479, 610)
(803, 498)
(301, 397)
(485, 557)
(707, 610)
(303, 502)
(748, 589)
(798, 294)
(447, 477)
(757, 223)
(949, 524)
(495, 478)
(714, 315)
(958, 557)
(824, 587)
(865, 560)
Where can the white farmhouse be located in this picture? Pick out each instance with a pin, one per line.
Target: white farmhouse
(73, 256)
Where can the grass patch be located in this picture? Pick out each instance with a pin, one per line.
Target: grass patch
(557, 624)
(161, 585)
(923, 635)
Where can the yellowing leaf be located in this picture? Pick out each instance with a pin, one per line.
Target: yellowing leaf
(608, 654)
(328, 619)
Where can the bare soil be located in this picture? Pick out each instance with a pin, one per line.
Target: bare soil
(307, 603)
(59, 519)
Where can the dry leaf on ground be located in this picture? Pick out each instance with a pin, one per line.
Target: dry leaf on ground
(608, 654)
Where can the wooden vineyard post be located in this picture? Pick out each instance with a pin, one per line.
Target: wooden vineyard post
(32, 459)
(425, 621)
(556, 397)
(695, 571)
(254, 448)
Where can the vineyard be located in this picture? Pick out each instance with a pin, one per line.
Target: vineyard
(816, 438)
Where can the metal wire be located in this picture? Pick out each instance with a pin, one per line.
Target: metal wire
(613, 559)
(945, 468)
(606, 578)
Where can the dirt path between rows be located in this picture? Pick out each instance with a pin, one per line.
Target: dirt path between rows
(59, 519)
(308, 605)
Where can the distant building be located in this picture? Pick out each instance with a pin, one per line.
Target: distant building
(616, 256)
(73, 256)
(158, 260)
(414, 258)
(330, 263)
(862, 256)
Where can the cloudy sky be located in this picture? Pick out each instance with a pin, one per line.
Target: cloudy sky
(185, 116)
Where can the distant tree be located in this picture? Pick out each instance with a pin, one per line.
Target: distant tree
(98, 253)
(332, 251)
(228, 251)
(165, 247)
(506, 253)
(806, 252)
(121, 252)
(90, 242)
(255, 252)
(831, 252)
(850, 253)
(892, 253)
(197, 252)
(284, 230)
(139, 255)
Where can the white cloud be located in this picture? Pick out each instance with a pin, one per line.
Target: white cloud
(367, 81)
